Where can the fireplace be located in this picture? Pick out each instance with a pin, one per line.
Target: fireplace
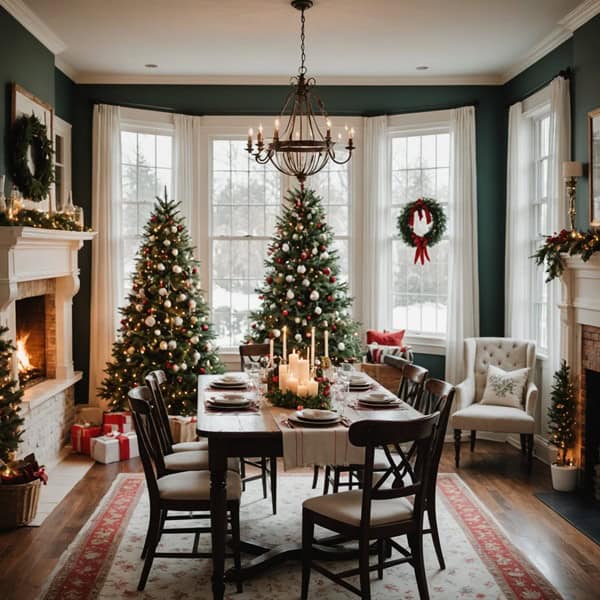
(591, 427)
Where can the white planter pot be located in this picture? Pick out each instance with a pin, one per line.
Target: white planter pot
(564, 479)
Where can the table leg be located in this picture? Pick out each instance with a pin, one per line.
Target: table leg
(218, 511)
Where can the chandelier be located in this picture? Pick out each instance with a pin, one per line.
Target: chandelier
(301, 149)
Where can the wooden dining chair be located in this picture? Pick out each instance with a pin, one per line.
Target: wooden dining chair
(266, 465)
(155, 380)
(188, 492)
(411, 385)
(375, 512)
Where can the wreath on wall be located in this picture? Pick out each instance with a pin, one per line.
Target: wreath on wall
(30, 135)
(422, 224)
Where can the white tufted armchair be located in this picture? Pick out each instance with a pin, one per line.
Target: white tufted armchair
(508, 354)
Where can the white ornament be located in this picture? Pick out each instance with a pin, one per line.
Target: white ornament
(297, 320)
(178, 321)
(194, 320)
(194, 339)
(314, 250)
(157, 332)
(289, 278)
(276, 333)
(285, 247)
(318, 310)
(289, 295)
(177, 269)
(172, 344)
(167, 243)
(168, 304)
(139, 307)
(314, 295)
(325, 324)
(174, 252)
(341, 346)
(181, 298)
(304, 323)
(196, 357)
(306, 282)
(162, 291)
(295, 236)
(174, 229)
(175, 368)
(324, 255)
(262, 327)
(192, 304)
(130, 350)
(163, 345)
(298, 337)
(160, 267)
(150, 321)
(151, 238)
(183, 367)
(301, 269)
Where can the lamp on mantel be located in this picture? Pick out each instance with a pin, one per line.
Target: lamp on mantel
(571, 171)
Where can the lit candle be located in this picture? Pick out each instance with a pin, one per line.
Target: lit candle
(285, 344)
(291, 385)
(303, 370)
(313, 388)
(271, 349)
(250, 134)
(293, 369)
(312, 346)
(327, 343)
(302, 390)
(283, 372)
(350, 137)
(328, 128)
(276, 132)
(260, 134)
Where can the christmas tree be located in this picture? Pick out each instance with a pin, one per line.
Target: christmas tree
(166, 322)
(302, 291)
(561, 414)
(10, 400)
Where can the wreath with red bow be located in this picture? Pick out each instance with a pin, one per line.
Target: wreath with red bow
(434, 215)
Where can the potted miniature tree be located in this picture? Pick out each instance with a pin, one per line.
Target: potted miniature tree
(561, 427)
(19, 480)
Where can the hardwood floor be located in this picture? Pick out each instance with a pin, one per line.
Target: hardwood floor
(495, 472)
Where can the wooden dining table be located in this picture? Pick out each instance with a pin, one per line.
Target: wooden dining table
(251, 433)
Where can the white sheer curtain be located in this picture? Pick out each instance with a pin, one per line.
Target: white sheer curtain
(463, 293)
(376, 225)
(107, 264)
(518, 265)
(186, 168)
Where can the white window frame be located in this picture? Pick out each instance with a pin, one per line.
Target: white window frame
(426, 123)
(63, 130)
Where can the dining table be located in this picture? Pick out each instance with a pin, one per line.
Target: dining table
(258, 431)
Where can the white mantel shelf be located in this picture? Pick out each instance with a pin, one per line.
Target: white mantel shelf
(15, 234)
(40, 392)
(581, 291)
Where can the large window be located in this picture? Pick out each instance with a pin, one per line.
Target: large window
(540, 224)
(420, 166)
(146, 170)
(245, 198)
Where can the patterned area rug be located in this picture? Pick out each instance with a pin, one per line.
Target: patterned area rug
(104, 560)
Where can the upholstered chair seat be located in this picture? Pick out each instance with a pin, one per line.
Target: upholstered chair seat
(196, 460)
(508, 354)
(195, 486)
(190, 446)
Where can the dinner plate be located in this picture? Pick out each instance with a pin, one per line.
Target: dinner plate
(229, 402)
(311, 414)
(229, 386)
(360, 387)
(307, 423)
(364, 402)
(380, 397)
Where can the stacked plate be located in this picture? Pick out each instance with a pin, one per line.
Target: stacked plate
(312, 417)
(230, 382)
(359, 383)
(231, 402)
(379, 400)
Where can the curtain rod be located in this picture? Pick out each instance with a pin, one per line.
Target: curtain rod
(564, 73)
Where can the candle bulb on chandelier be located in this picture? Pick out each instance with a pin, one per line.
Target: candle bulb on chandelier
(260, 135)
(276, 132)
(250, 134)
(328, 129)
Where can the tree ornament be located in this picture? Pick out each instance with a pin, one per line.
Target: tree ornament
(301, 269)
(174, 229)
(341, 346)
(150, 321)
(163, 345)
(326, 271)
(318, 310)
(192, 304)
(332, 279)
(289, 278)
(167, 303)
(303, 255)
(298, 337)
(172, 344)
(157, 332)
(166, 243)
(160, 267)
(314, 296)
(175, 252)
(297, 320)
(204, 327)
(422, 224)
(285, 247)
(130, 350)
(289, 295)
(163, 291)
(324, 255)
(178, 321)
(306, 282)
(175, 368)
(177, 269)
(183, 366)
(181, 297)
(285, 312)
(139, 307)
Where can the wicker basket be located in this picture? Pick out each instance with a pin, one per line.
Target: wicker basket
(388, 377)
(19, 503)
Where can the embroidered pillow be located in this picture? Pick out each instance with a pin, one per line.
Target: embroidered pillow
(377, 353)
(505, 388)
(385, 338)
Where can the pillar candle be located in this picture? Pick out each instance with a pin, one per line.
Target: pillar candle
(302, 390)
(327, 343)
(271, 349)
(291, 384)
(293, 368)
(303, 370)
(313, 387)
(312, 346)
(284, 344)
(283, 371)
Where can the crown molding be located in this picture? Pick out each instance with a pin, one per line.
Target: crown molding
(66, 68)
(136, 79)
(580, 15)
(22, 13)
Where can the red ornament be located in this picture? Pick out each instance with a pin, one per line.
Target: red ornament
(153, 218)
(179, 227)
(179, 379)
(332, 279)
(279, 260)
(308, 317)
(319, 225)
(195, 270)
(326, 391)
(285, 313)
(275, 379)
(168, 365)
(326, 271)
(205, 327)
(322, 248)
(261, 297)
(202, 371)
(333, 328)
(269, 280)
(303, 255)
(299, 303)
(330, 298)
(253, 325)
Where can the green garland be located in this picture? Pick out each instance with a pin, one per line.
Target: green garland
(40, 220)
(566, 242)
(434, 214)
(290, 400)
(28, 132)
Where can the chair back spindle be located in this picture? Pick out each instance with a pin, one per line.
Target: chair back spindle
(411, 385)
(252, 353)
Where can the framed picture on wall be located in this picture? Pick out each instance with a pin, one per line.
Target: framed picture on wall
(594, 168)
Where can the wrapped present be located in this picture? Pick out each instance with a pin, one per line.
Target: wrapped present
(114, 448)
(81, 436)
(183, 429)
(121, 419)
(89, 414)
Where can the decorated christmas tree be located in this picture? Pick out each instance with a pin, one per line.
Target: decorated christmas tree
(302, 290)
(10, 400)
(166, 322)
(561, 414)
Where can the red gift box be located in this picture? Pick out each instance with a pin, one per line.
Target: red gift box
(121, 419)
(81, 436)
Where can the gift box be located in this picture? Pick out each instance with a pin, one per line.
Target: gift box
(81, 436)
(90, 414)
(114, 448)
(121, 419)
(183, 429)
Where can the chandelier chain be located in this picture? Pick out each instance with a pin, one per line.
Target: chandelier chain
(302, 69)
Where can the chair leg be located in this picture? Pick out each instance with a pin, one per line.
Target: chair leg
(235, 534)
(457, 434)
(529, 451)
(315, 476)
(243, 473)
(147, 540)
(435, 536)
(263, 468)
(416, 548)
(308, 528)
(380, 557)
(363, 566)
(153, 536)
(326, 480)
(336, 480)
(473, 439)
(524, 443)
(273, 477)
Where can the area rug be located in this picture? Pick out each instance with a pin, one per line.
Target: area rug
(104, 560)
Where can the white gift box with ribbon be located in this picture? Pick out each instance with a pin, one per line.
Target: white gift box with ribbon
(114, 448)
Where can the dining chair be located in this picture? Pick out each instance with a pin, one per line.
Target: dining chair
(375, 512)
(188, 491)
(155, 380)
(411, 385)
(266, 465)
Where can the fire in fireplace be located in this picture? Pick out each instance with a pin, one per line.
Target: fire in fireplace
(31, 343)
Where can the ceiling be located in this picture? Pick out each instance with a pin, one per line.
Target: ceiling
(465, 39)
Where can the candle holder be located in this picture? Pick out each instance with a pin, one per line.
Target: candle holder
(571, 171)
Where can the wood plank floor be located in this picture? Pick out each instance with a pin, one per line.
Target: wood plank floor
(495, 472)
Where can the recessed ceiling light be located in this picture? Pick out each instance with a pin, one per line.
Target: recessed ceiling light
(151, 66)
(422, 68)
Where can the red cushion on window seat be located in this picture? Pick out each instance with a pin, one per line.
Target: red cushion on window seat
(385, 338)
